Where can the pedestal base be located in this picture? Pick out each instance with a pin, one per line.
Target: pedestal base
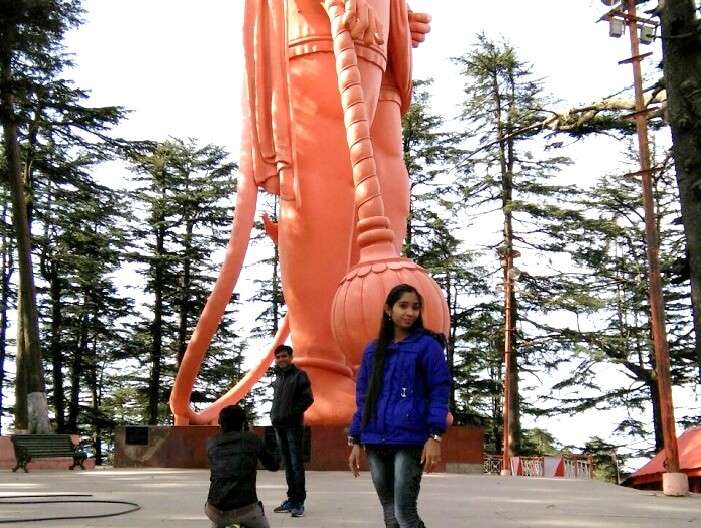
(505, 472)
(327, 449)
(675, 484)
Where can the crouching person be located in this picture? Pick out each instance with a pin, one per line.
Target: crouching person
(233, 458)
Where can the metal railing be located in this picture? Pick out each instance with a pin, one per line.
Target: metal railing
(575, 466)
(491, 464)
(579, 467)
(532, 466)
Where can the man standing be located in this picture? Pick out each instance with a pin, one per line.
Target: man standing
(292, 396)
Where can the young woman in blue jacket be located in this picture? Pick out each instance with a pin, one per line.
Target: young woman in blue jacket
(402, 394)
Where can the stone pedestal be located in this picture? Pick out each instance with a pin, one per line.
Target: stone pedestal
(326, 448)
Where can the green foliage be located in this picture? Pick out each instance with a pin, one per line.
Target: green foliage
(124, 403)
(605, 459)
(268, 284)
(607, 242)
(538, 442)
(182, 191)
(433, 241)
(8, 292)
(82, 247)
(267, 294)
(59, 140)
(509, 190)
(50, 111)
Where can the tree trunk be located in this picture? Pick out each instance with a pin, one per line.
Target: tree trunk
(55, 349)
(185, 289)
(409, 236)
(452, 301)
(77, 367)
(515, 414)
(681, 50)
(154, 391)
(7, 271)
(506, 162)
(656, 415)
(37, 409)
(96, 401)
(276, 281)
(48, 266)
(496, 375)
(21, 420)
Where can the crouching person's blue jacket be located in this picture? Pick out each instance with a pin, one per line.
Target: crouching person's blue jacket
(413, 401)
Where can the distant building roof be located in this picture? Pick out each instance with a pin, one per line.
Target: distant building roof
(689, 460)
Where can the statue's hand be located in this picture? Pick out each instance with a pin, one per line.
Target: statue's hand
(419, 25)
(270, 228)
(361, 20)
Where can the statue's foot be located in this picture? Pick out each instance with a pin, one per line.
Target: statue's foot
(334, 398)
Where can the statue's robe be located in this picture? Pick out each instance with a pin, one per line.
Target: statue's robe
(276, 31)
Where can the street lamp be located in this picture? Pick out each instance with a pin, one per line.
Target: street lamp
(674, 482)
(511, 275)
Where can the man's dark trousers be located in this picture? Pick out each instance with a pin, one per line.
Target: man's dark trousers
(289, 440)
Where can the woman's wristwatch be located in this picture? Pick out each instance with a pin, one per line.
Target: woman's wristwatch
(353, 441)
(436, 437)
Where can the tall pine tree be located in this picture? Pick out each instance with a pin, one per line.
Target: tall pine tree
(503, 181)
(185, 192)
(609, 293)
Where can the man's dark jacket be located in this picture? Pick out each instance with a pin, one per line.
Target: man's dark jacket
(292, 396)
(233, 460)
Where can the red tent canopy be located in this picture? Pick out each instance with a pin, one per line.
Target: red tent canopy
(650, 475)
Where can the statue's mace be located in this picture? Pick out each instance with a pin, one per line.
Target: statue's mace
(358, 303)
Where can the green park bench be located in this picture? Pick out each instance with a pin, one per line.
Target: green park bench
(30, 446)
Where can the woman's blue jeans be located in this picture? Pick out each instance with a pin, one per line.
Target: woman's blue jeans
(396, 474)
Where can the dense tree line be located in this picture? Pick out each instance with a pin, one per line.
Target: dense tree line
(101, 284)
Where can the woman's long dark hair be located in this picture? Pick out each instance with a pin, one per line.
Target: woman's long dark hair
(385, 337)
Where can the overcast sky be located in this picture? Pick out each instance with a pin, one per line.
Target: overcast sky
(177, 63)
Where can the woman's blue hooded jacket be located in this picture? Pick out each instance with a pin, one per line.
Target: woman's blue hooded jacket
(413, 400)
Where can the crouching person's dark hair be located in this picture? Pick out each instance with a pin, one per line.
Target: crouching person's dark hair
(233, 418)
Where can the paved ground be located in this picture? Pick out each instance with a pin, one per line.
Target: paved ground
(174, 498)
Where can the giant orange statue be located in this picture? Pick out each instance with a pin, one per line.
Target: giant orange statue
(325, 88)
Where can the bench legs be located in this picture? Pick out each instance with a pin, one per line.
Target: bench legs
(22, 465)
(28, 447)
(78, 461)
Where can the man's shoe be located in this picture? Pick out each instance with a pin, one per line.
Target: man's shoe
(285, 507)
(297, 510)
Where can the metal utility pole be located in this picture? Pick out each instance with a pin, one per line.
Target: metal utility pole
(673, 481)
(510, 275)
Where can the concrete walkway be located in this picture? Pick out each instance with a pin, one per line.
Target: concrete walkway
(174, 498)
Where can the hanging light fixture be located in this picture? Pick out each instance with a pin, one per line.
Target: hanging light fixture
(616, 27)
(647, 34)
